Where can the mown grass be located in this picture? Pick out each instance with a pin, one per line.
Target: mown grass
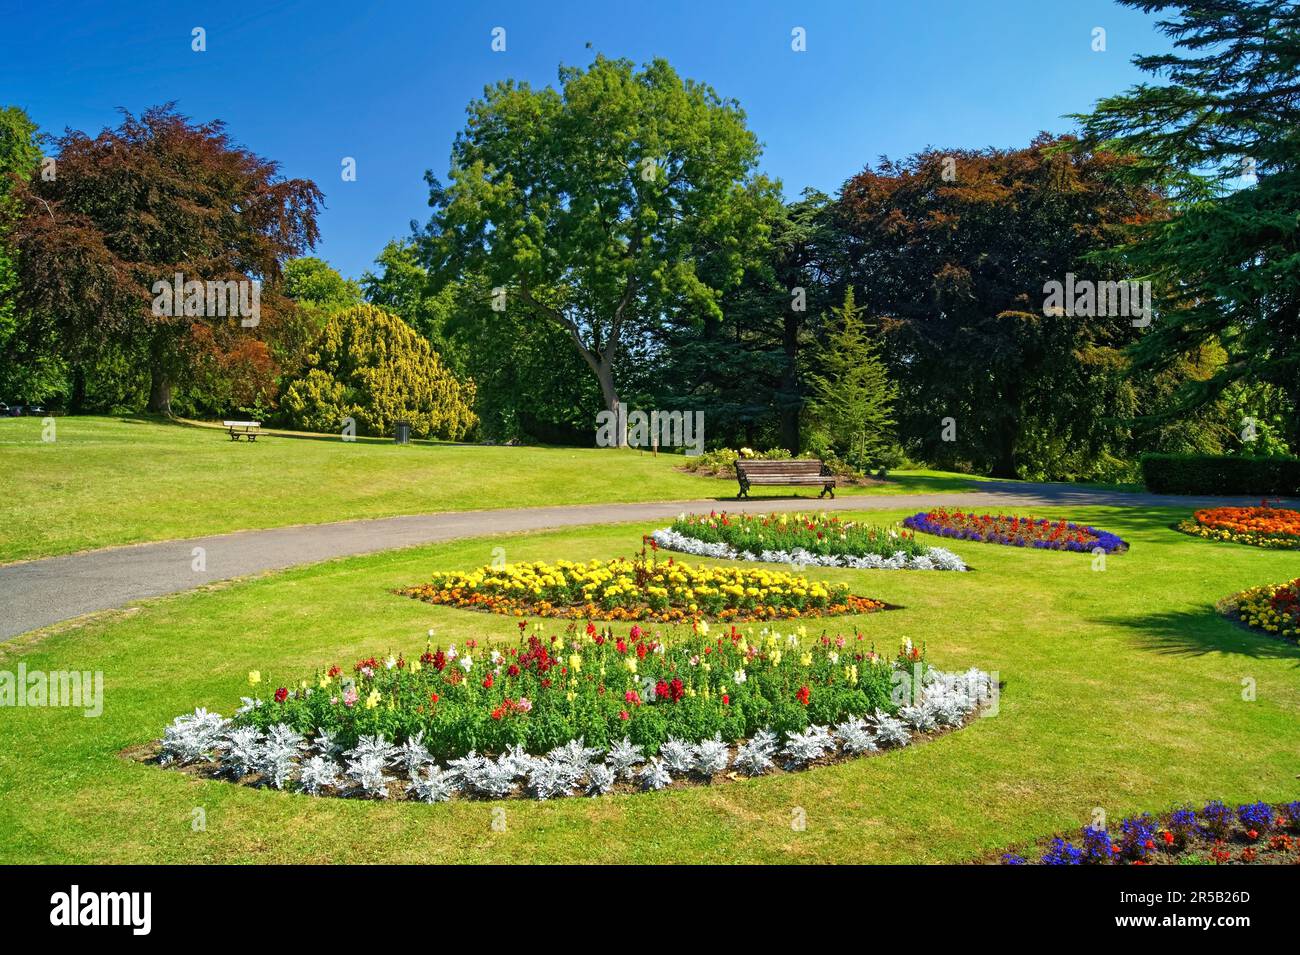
(1123, 690)
(107, 481)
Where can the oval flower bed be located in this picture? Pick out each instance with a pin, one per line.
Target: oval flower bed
(1273, 609)
(639, 589)
(587, 712)
(802, 540)
(1038, 532)
(1252, 833)
(1263, 526)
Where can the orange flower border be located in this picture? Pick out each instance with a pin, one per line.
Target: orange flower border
(518, 607)
(1271, 527)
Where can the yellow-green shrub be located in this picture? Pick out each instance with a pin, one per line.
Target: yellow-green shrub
(371, 366)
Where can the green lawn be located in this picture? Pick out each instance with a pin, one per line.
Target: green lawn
(1123, 691)
(108, 481)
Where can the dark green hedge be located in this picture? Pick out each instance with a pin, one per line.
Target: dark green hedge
(1209, 474)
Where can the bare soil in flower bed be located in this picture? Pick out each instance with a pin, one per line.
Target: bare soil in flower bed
(148, 753)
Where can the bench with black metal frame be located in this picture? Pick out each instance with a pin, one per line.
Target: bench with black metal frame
(795, 472)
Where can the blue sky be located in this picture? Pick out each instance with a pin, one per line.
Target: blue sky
(308, 83)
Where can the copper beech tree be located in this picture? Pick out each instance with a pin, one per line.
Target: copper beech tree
(156, 197)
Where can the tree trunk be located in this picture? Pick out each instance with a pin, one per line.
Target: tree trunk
(604, 369)
(77, 400)
(1004, 466)
(790, 383)
(160, 391)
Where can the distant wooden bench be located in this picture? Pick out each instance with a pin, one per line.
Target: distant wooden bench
(242, 429)
(785, 473)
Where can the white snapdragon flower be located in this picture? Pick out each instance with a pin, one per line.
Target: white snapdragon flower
(467, 662)
(740, 676)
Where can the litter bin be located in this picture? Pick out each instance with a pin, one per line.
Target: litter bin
(402, 432)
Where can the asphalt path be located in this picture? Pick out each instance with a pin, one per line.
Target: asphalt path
(38, 593)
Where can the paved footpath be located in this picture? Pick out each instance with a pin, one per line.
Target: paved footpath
(43, 592)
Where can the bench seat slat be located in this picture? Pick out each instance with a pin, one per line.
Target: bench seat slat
(784, 472)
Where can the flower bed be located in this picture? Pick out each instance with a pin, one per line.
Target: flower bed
(1016, 531)
(646, 589)
(1252, 833)
(1273, 609)
(589, 711)
(1263, 526)
(802, 540)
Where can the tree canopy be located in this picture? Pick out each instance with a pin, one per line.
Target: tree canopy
(624, 197)
(137, 204)
(1221, 136)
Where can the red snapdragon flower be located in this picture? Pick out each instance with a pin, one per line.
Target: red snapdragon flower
(281, 695)
(803, 695)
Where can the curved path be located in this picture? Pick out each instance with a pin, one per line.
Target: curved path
(39, 593)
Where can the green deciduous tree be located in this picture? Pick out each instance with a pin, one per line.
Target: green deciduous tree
(24, 366)
(622, 198)
(372, 367)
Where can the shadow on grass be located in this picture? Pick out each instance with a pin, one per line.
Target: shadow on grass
(1195, 633)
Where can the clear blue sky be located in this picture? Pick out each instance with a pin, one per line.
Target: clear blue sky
(307, 82)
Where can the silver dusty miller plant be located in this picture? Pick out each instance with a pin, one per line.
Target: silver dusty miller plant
(412, 755)
(326, 745)
(317, 774)
(890, 731)
(678, 756)
(280, 754)
(754, 757)
(551, 779)
(366, 764)
(240, 751)
(711, 756)
(192, 738)
(802, 748)
(654, 775)
(433, 784)
(855, 736)
(624, 756)
(918, 716)
(600, 779)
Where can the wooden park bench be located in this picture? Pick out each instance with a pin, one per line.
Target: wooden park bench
(240, 429)
(785, 473)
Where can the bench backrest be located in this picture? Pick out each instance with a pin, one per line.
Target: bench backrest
(797, 466)
(241, 424)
